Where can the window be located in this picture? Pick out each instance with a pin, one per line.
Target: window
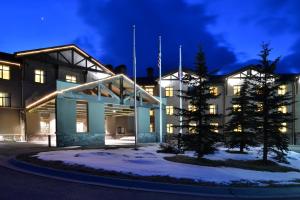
(192, 128)
(213, 91)
(238, 129)
(39, 76)
(169, 110)
(214, 127)
(150, 90)
(151, 112)
(282, 90)
(45, 127)
(4, 99)
(170, 128)
(71, 79)
(237, 108)
(212, 109)
(192, 108)
(4, 72)
(282, 109)
(236, 90)
(283, 128)
(169, 91)
(260, 107)
(151, 128)
(81, 117)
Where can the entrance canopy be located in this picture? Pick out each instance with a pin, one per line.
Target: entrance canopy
(118, 89)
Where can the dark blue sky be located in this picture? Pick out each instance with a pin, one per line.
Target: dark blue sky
(230, 31)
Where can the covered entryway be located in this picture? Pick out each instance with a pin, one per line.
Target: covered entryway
(119, 125)
(99, 113)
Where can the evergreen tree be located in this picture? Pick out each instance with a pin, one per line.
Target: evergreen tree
(272, 118)
(239, 130)
(198, 132)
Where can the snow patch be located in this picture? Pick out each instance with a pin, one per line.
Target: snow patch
(146, 162)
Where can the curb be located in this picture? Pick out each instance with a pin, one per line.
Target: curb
(148, 186)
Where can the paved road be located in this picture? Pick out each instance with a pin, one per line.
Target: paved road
(16, 185)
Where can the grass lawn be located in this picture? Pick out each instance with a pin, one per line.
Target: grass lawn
(257, 165)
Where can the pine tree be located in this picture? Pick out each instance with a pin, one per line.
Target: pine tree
(272, 118)
(198, 132)
(239, 129)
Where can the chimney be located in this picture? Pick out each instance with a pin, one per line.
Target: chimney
(150, 72)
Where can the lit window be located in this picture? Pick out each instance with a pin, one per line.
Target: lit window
(238, 129)
(150, 90)
(283, 128)
(259, 107)
(213, 91)
(215, 127)
(282, 109)
(39, 76)
(169, 110)
(170, 128)
(282, 90)
(45, 127)
(151, 128)
(151, 112)
(71, 79)
(212, 109)
(192, 128)
(192, 108)
(169, 91)
(81, 117)
(237, 108)
(4, 72)
(4, 99)
(237, 90)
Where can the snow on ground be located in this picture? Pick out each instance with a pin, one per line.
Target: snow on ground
(146, 162)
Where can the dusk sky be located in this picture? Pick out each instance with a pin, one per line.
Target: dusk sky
(230, 31)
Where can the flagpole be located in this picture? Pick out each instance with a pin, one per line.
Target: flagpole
(135, 103)
(180, 88)
(160, 98)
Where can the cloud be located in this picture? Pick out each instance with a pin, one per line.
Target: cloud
(177, 22)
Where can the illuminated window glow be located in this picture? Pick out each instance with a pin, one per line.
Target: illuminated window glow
(151, 128)
(212, 109)
(4, 72)
(170, 128)
(169, 110)
(169, 92)
(192, 127)
(237, 108)
(236, 90)
(213, 91)
(39, 76)
(283, 128)
(4, 99)
(238, 129)
(150, 90)
(192, 108)
(282, 90)
(215, 127)
(151, 112)
(282, 109)
(71, 79)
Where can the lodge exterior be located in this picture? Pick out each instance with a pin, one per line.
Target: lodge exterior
(64, 92)
(227, 86)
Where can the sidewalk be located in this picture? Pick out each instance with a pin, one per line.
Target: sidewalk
(221, 192)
